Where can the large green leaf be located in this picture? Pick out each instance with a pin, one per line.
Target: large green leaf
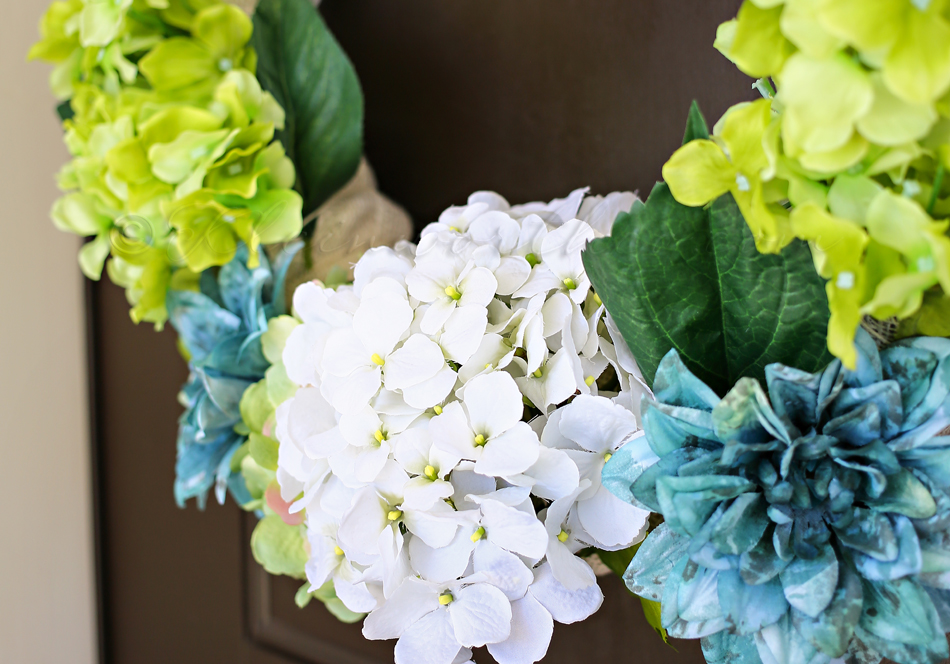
(303, 66)
(690, 278)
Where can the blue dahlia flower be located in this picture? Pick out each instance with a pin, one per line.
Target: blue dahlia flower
(802, 524)
(220, 327)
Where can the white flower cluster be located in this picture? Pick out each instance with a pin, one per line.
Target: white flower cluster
(431, 502)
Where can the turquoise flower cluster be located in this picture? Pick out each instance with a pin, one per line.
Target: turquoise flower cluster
(220, 327)
(802, 524)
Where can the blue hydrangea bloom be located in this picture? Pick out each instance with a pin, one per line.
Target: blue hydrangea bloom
(802, 524)
(221, 328)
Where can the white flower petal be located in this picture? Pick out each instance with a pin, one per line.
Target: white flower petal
(436, 315)
(610, 521)
(565, 606)
(345, 353)
(554, 475)
(450, 432)
(361, 526)
(493, 403)
(436, 530)
(380, 322)
(480, 614)
(502, 569)
(541, 280)
(531, 629)
(469, 483)
(303, 352)
(597, 424)
(513, 530)
(511, 453)
(417, 360)
(572, 572)
(409, 603)
(431, 640)
(352, 393)
(433, 391)
(421, 492)
(445, 564)
(511, 274)
(355, 596)
(477, 287)
(463, 332)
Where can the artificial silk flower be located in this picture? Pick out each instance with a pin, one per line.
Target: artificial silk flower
(174, 162)
(413, 445)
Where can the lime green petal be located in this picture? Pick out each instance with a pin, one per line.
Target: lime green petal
(893, 161)
(237, 176)
(275, 338)
(256, 407)
(837, 160)
(933, 318)
(725, 36)
(850, 197)
(279, 386)
(271, 111)
(767, 4)
(899, 295)
(841, 242)
(263, 450)
(59, 41)
(940, 250)
(880, 262)
(769, 224)
(742, 130)
(802, 190)
(225, 30)
(279, 548)
(823, 99)
(206, 234)
(277, 215)
(758, 47)
(900, 223)
(174, 162)
(128, 162)
(280, 172)
(866, 24)
(801, 25)
(177, 63)
(93, 256)
(184, 279)
(80, 214)
(918, 67)
(167, 125)
(845, 319)
(699, 172)
(100, 21)
(893, 121)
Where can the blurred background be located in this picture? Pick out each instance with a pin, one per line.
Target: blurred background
(47, 607)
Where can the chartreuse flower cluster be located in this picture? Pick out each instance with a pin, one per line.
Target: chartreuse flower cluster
(447, 438)
(174, 162)
(850, 153)
(804, 522)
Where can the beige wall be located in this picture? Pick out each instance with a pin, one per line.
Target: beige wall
(46, 571)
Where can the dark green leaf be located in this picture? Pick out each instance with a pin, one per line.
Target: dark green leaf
(695, 124)
(303, 66)
(691, 279)
(65, 111)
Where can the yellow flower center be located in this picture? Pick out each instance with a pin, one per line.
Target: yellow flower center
(431, 473)
(338, 551)
(562, 536)
(379, 436)
(589, 380)
(537, 373)
(437, 409)
(597, 300)
(607, 457)
(377, 360)
(569, 284)
(453, 293)
(479, 440)
(532, 259)
(445, 599)
(394, 515)
(478, 534)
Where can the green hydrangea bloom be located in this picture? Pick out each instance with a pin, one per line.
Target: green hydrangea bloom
(856, 144)
(174, 159)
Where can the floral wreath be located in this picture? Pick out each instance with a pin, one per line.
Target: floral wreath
(734, 394)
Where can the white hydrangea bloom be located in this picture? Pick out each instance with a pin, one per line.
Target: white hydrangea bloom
(457, 405)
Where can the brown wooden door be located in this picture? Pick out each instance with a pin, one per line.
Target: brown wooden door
(532, 98)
